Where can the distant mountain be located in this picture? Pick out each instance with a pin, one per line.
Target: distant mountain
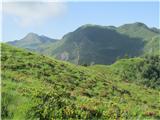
(32, 41)
(95, 44)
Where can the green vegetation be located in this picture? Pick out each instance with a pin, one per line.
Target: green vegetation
(140, 70)
(143, 70)
(38, 87)
(96, 45)
(153, 46)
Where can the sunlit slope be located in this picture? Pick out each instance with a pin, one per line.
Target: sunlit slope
(142, 71)
(38, 87)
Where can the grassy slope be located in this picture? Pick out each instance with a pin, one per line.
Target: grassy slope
(35, 86)
(141, 70)
(153, 46)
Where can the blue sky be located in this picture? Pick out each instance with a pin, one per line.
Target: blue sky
(56, 20)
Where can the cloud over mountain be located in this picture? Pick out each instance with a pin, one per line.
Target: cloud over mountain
(33, 12)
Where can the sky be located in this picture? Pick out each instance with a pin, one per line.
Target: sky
(55, 19)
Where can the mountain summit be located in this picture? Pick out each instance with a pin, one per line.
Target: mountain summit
(32, 41)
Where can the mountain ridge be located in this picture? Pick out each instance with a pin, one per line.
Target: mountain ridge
(98, 44)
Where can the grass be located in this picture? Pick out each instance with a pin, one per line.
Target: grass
(38, 87)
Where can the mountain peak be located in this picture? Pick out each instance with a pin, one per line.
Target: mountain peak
(86, 26)
(92, 25)
(135, 24)
(31, 34)
(140, 24)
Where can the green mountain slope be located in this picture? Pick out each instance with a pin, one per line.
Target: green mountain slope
(92, 44)
(38, 87)
(144, 71)
(153, 46)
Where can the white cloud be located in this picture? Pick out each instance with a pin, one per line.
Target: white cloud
(33, 12)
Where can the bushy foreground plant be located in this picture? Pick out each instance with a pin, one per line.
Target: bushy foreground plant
(144, 70)
(58, 105)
